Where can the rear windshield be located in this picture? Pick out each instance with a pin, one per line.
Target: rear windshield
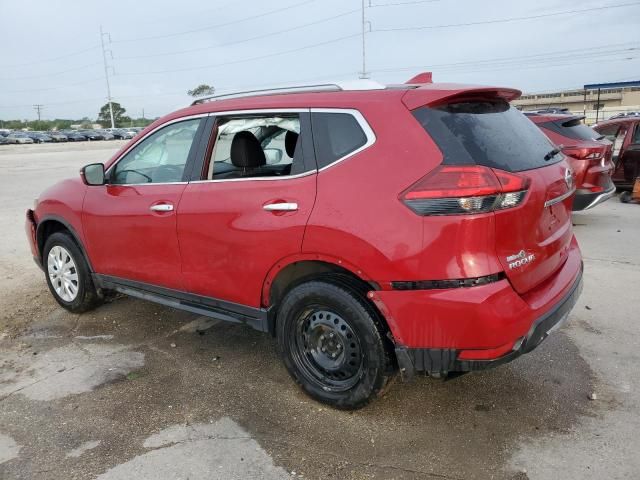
(572, 128)
(486, 132)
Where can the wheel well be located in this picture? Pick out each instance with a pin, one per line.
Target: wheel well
(304, 271)
(48, 228)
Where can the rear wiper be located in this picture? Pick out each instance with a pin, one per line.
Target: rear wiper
(553, 153)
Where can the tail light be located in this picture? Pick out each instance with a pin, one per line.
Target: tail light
(584, 153)
(465, 189)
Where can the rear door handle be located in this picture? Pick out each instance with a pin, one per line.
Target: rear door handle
(163, 207)
(281, 207)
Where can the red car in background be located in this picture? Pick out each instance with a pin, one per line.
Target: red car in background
(624, 132)
(588, 152)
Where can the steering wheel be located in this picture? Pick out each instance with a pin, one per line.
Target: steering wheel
(119, 172)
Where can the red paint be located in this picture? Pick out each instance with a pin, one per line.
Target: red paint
(220, 242)
(124, 238)
(590, 160)
(626, 149)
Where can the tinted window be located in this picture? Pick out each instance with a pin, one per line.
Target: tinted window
(486, 132)
(335, 135)
(636, 136)
(159, 158)
(609, 131)
(573, 128)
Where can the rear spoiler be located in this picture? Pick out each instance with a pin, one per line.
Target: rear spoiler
(439, 93)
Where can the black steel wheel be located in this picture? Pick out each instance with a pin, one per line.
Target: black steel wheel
(333, 345)
(326, 349)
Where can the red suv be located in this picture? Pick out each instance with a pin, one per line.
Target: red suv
(371, 229)
(588, 152)
(624, 132)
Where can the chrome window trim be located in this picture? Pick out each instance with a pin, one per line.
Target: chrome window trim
(258, 179)
(559, 198)
(143, 184)
(366, 128)
(142, 139)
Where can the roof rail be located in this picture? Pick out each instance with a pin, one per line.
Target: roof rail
(323, 87)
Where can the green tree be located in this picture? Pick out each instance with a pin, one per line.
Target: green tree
(201, 90)
(104, 117)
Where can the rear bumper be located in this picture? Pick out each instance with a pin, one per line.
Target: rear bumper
(443, 361)
(587, 200)
(464, 329)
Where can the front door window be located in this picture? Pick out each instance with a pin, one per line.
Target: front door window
(159, 158)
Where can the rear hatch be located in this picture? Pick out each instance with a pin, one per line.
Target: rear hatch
(497, 162)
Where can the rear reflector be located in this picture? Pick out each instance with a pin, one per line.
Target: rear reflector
(584, 153)
(465, 189)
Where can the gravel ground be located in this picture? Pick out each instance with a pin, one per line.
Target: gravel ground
(136, 390)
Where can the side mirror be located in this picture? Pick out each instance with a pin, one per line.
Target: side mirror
(93, 174)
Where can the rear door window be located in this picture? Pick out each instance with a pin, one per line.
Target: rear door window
(486, 132)
(335, 135)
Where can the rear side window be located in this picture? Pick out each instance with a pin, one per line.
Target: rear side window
(486, 132)
(572, 128)
(335, 135)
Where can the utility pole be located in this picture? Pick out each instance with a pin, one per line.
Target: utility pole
(365, 23)
(38, 109)
(106, 73)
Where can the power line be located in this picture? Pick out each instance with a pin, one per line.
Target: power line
(225, 24)
(573, 53)
(244, 60)
(37, 62)
(397, 4)
(236, 42)
(506, 20)
(52, 74)
(55, 88)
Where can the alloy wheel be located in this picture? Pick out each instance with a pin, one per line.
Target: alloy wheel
(63, 273)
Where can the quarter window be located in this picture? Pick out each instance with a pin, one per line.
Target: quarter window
(335, 135)
(159, 158)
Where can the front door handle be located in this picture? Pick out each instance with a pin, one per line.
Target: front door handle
(281, 207)
(163, 207)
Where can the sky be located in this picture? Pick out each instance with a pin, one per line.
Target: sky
(50, 52)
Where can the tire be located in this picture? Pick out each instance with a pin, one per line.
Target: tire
(625, 197)
(68, 279)
(332, 344)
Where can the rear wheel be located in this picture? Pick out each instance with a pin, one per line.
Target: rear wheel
(68, 275)
(332, 344)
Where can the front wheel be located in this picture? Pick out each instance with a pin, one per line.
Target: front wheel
(68, 275)
(332, 344)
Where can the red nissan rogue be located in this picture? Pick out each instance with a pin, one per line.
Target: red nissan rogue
(371, 229)
(588, 153)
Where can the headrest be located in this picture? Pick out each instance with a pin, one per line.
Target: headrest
(246, 151)
(290, 142)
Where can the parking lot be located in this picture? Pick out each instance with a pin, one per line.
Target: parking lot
(133, 388)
